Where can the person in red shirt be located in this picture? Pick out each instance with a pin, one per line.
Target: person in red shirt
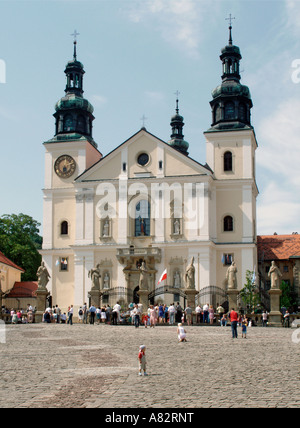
(142, 360)
(234, 321)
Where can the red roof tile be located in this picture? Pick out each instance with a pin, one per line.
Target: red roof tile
(6, 261)
(278, 247)
(23, 289)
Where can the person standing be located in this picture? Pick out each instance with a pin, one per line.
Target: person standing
(205, 313)
(188, 313)
(233, 321)
(70, 315)
(80, 315)
(85, 313)
(211, 314)
(286, 319)
(244, 326)
(136, 312)
(142, 360)
(220, 311)
(108, 314)
(171, 314)
(198, 311)
(58, 313)
(92, 311)
(264, 318)
(153, 316)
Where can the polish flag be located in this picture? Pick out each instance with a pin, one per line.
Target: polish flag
(163, 276)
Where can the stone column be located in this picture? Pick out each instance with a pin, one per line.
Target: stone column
(232, 298)
(143, 295)
(191, 295)
(41, 296)
(95, 297)
(275, 315)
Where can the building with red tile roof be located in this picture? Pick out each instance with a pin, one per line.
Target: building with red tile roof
(285, 251)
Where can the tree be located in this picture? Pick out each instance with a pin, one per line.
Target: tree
(288, 297)
(20, 241)
(249, 293)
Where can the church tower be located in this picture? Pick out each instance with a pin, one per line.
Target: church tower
(68, 154)
(177, 138)
(230, 153)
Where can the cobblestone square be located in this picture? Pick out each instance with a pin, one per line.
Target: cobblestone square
(89, 366)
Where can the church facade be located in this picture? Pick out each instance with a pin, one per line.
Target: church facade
(147, 202)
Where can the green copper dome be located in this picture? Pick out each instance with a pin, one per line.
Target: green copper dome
(231, 88)
(73, 101)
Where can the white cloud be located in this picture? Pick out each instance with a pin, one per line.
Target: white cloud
(98, 100)
(279, 151)
(278, 210)
(293, 16)
(178, 21)
(278, 157)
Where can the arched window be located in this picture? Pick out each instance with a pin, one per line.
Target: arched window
(64, 228)
(228, 224)
(68, 123)
(227, 161)
(142, 218)
(229, 110)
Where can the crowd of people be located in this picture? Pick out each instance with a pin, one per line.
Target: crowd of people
(135, 314)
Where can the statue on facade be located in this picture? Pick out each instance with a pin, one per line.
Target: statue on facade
(177, 282)
(106, 280)
(105, 232)
(143, 282)
(95, 276)
(176, 226)
(190, 275)
(274, 274)
(231, 276)
(43, 276)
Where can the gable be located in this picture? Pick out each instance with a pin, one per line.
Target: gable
(158, 160)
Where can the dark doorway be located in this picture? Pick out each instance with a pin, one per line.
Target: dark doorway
(136, 297)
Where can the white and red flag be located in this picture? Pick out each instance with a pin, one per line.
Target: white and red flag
(163, 276)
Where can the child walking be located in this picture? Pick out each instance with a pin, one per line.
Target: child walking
(244, 327)
(142, 360)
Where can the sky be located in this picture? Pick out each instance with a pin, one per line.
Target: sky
(136, 55)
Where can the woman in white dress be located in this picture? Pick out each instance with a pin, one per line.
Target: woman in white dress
(181, 333)
(103, 314)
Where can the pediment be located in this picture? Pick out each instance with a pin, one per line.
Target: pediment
(143, 156)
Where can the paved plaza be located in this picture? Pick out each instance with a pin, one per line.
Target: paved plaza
(57, 365)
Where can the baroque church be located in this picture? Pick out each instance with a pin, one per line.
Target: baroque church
(147, 203)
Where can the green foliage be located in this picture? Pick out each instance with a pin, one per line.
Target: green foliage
(287, 298)
(20, 241)
(249, 294)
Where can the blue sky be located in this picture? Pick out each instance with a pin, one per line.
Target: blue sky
(136, 54)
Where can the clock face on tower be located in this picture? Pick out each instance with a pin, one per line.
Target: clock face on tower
(65, 166)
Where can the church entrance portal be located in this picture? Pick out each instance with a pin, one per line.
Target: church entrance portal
(136, 297)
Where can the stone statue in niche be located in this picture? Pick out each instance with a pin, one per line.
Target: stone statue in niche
(177, 281)
(176, 227)
(105, 232)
